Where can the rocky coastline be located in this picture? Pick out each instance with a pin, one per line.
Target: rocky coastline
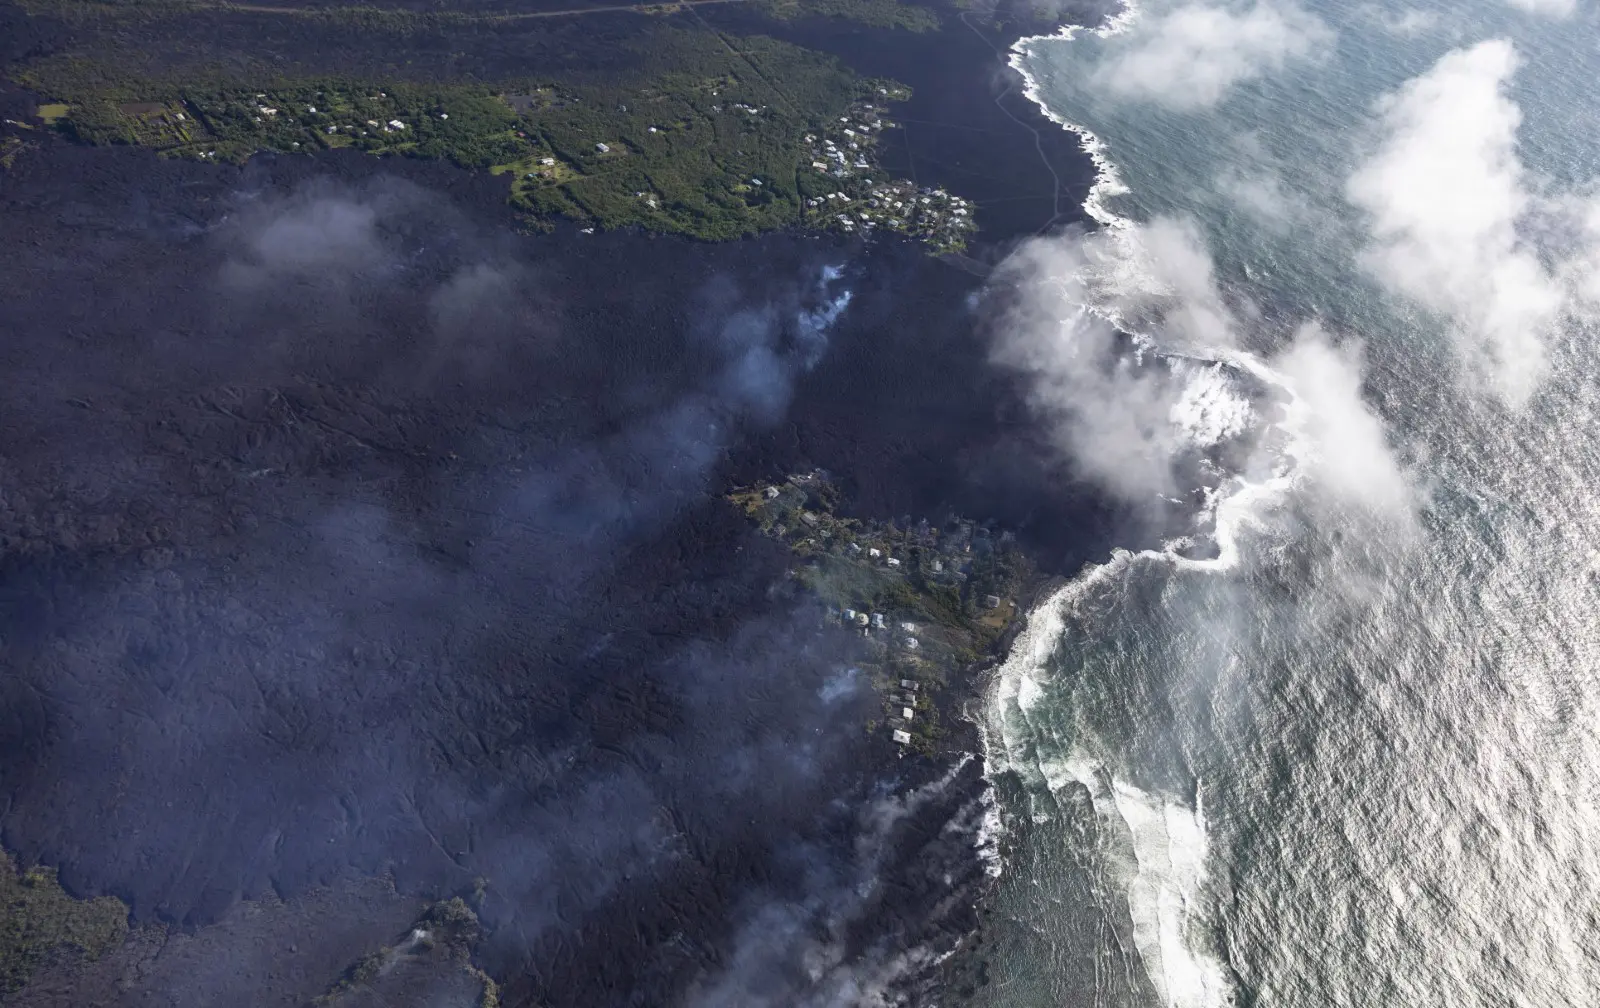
(447, 511)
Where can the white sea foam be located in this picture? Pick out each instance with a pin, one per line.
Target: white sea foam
(1164, 877)
(1165, 896)
(1447, 689)
(1158, 858)
(991, 833)
(1210, 409)
(1107, 182)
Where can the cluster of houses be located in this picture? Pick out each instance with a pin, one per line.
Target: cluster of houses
(867, 622)
(906, 701)
(865, 202)
(308, 112)
(901, 555)
(845, 147)
(933, 215)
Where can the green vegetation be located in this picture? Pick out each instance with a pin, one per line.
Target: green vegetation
(656, 122)
(847, 193)
(928, 601)
(708, 146)
(442, 936)
(469, 125)
(875, 13)
(42, 924)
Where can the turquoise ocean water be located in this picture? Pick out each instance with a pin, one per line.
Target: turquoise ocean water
(1355, 758)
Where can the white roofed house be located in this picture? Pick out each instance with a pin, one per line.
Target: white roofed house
(907, 713)
(903, 738)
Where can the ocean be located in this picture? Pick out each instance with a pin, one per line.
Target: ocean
(1340, 743)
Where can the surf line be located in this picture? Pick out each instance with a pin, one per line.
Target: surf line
(1107, 183)
(1163, 872)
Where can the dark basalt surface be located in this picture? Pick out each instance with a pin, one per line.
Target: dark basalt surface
(345, 532)
(967, 127)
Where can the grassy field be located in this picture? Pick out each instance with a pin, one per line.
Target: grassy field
(663, 124)
(42, 924)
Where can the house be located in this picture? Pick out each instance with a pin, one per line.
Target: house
(861, 620)
(602, 148)
(991, 601)
(874, 553)
(909, 684)
(396, 124)
(906, 712)
(547, 161)
(912, 644)
(938, 566)
(904, 738)
(909, 627)
(877, 621)
(809, 518)
(892, 562)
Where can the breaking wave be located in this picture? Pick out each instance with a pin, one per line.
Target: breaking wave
(1320, 747)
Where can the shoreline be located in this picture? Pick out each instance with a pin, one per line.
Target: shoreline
(967, 795)
(962, 969)
(1108, 182)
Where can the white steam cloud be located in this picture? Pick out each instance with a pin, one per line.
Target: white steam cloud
(1457, 226)
(1349, 450)
(1127, 420)
(1582, 271)
(1189, 58)
(1406, 22)
(1445, 192)
(1112, 415)
(1550, 8)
